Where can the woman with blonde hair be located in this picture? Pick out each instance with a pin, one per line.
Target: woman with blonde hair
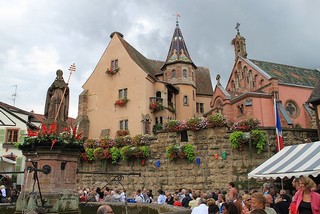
(305, 200)
(246, 198)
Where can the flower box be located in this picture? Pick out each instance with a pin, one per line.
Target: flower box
(156, 106)
(112, 71)
(121, 102)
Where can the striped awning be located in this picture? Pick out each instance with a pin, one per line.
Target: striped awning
(296, 160)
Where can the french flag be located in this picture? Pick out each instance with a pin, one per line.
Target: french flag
(279, 141)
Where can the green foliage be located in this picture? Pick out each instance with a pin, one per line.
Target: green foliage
(185, 151)
(124, 151)
(259, 139)
(89, 154)
(145, 151)
(189, 151)
(115, 154)
(236, 138)
(156, 127)
(99, 153)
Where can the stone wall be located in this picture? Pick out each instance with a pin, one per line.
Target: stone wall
(210, 174)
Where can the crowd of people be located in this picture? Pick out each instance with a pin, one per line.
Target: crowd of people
(8, 194)
(305, 200)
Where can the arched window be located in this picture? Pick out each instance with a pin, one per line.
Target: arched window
(261, 82)
(185, 100)
(174, 74)
(192, 76)
(292, 109)
(185, 73)
(158, 94)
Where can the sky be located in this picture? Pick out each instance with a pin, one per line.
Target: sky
(38, 37)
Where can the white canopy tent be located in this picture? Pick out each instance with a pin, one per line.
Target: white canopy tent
(296, 160)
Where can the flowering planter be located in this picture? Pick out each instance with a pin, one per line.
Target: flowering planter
(121, 102)
(112, 72)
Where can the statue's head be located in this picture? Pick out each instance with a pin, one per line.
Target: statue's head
(59, 74)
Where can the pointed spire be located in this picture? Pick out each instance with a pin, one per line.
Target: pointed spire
(178, 51)
(239, 43)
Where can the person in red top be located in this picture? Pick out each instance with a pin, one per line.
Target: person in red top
(176, 201)
(305, 200)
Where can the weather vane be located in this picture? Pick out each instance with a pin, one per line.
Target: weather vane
(237, 27)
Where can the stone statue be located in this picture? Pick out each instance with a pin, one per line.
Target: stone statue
(57, 102)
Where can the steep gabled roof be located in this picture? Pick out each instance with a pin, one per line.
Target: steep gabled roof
(203, 81)
(289, 74)
(137, 57)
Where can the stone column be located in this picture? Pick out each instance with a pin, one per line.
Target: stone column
(58, 187)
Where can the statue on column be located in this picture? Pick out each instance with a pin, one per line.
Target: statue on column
(57, 102)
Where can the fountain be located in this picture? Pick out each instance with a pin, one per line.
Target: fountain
(52, 156)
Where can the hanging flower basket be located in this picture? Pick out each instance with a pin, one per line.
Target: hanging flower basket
(156, 106)
(112, 71)
(121, 102)
(176, 151)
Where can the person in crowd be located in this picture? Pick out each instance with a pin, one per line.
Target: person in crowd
(269, 201)
(212, 207)
(221, 201)
(201, 208)
(176, 201)
(116, 196)
(233, 192)
(266, 188)
(239, 203)
(305, 200)
(169, 199)
(282, 204)
(181, 194)
(149, 198)
(161, 197)
(100, 194)
(139, 197)
(194, 202)
(186, 200)
(230, 208)
(258, 201)
(92, 196)
(215, 194)
(104, 209)
(246, 198)
(258, 211)
(295, 185)
(82, 197)
(123, 196)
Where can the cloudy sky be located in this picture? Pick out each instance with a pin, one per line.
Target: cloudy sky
(37, 37)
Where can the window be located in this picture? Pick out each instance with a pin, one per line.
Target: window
(200, 108)
(158, 94)
(12, 135)
(192, 76)
(185, 100)
(291, 109)
(114, 64)
(174, 74)
(185, 73)
(123, 93)
(123, 125)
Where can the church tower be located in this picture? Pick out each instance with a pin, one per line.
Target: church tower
(239, 43)
(180, 71)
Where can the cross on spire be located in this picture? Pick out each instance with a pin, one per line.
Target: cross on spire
(177, 18)
(237, 27)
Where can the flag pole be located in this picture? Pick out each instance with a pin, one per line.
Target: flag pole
(71, 69)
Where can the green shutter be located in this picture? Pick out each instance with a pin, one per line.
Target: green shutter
(2, 135)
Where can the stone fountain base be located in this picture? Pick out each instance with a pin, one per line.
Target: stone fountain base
(52, 177)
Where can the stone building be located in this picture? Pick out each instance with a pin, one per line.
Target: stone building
(127, 91)
(253, 85)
